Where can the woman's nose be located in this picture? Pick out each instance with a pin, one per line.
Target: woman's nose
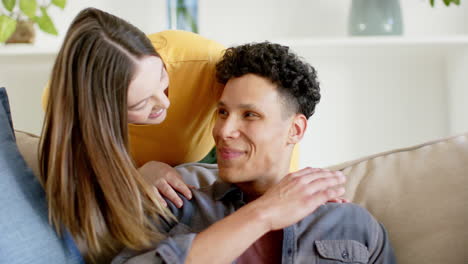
(161, 100)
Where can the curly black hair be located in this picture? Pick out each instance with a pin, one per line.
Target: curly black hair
(296, 80)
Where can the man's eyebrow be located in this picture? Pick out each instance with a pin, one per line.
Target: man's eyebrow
(242, 106)
(248, 106)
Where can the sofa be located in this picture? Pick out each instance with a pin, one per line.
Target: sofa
(420, 194)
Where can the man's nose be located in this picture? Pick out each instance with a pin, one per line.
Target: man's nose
(229, 128)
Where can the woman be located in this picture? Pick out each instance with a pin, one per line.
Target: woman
(93, 186)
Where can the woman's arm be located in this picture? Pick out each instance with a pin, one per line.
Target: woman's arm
(292, 199)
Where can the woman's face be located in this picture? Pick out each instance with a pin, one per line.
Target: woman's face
(147, 94)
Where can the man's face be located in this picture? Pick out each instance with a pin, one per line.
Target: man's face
(251, 132)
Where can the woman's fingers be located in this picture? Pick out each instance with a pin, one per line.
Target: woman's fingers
(167, 191)
(305, 171)
(167, 180)
(338, 200)
(318, 175)
(324, 183)
(314, 173)
(334, 192)
(296, 197)
(321, 197)
(160, 198)
(178, 184)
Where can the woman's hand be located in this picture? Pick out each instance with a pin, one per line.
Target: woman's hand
(339, 200)
(167, 180)
(298, 195)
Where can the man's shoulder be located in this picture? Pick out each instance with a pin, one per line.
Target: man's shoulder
(340, 220)
(203, 209)
(197, 165)
(346, 212)
(198, 174)
(206, 203)
(353, 209)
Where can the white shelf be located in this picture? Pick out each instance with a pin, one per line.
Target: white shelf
(383, 41)
(377, 46)
(27, 49)
(319, 43)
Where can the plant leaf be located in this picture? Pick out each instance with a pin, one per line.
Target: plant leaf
(9, 4)
(7, 27)
(457, 2)
(45, 22)
(59, 3)
(447, 2)
(432, 3)
(28, 7)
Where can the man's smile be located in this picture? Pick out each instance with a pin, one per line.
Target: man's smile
(227, 153)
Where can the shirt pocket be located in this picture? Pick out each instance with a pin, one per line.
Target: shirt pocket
(341, 251)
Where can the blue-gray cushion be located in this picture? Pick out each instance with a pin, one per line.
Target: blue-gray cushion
(25, 233)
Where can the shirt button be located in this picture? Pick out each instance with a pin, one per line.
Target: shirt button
(345, 254)
(289, 252)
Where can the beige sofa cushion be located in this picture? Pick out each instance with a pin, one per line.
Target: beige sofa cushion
(27, 145)
(420, 194)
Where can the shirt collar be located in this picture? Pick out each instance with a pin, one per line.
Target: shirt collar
(223, 190)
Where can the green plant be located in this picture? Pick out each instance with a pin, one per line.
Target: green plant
(31, 10)
(447, 2)
(182, 15)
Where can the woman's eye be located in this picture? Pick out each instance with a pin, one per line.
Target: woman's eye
(141, 106)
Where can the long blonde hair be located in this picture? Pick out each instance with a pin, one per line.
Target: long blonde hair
(93, 187)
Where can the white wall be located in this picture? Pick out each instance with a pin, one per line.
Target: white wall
(371, 101)
(458, 92)
(149, 16)
(24, 77)
(235, 22)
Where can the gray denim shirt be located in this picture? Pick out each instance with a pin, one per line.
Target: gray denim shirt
(334, 233)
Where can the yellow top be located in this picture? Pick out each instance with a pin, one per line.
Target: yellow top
(185, 136)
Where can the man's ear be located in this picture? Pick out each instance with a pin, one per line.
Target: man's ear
(297, 129)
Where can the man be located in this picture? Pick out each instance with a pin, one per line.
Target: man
(259, 213)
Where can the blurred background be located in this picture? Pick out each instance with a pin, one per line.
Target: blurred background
(379, 92)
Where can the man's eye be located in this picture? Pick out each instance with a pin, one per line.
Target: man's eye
(250, 114)
(222, 112)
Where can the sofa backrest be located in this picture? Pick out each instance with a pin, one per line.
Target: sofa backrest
(420, 194)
